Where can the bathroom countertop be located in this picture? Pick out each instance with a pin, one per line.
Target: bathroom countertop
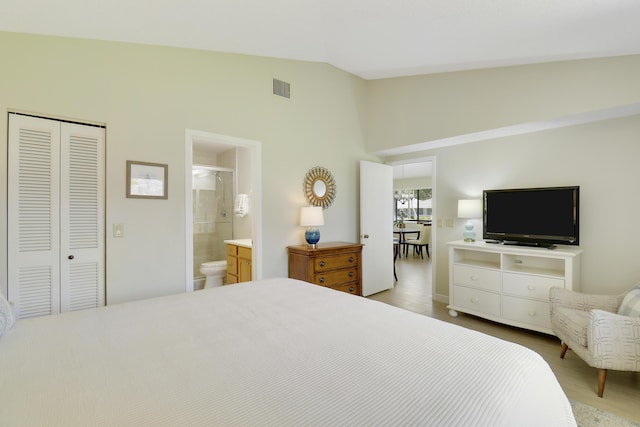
(247, 243)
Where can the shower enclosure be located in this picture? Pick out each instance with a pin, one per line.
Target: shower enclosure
(212, 214)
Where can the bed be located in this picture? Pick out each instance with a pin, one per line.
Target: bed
(275, 352)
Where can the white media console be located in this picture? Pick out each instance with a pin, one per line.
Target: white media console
(509, 284)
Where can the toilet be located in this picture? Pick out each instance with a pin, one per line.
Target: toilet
(215, 271)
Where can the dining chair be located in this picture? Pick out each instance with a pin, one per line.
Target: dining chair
(422, 241)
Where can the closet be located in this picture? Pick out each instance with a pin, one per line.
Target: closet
(55, 215)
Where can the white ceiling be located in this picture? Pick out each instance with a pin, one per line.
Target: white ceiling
(369, 38)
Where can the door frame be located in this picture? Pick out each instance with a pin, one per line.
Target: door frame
(434, 228)
(255, 148)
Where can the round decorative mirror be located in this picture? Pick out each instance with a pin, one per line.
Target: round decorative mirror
(319, 187)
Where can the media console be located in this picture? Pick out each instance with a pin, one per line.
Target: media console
(509, 284)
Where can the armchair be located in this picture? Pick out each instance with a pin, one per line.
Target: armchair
(591, 326)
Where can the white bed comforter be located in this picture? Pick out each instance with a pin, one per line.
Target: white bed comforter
(271, 353)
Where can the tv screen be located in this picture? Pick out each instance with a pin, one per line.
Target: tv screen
(534, 216)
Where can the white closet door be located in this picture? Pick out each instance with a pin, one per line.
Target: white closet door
(56, 216)
(81, 217)
(33, 215)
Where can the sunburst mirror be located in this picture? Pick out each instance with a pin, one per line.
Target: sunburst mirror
(319, 187)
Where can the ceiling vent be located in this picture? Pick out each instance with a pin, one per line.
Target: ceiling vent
(281, 88)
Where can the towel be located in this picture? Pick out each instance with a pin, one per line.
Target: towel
(241, 206)
(6, 315)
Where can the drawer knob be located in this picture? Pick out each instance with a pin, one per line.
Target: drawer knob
(474, 277)
(322, 264)
(531, 287)
(322, 280)
(351, 259)
(532, 313)
(474, 300)
(351, 289)
(351, 274)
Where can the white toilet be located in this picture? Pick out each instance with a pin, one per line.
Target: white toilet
(215, 271)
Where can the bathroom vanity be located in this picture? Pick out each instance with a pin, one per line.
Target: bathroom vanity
(238, 260)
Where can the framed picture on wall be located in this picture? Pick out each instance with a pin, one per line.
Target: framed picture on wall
(147, 180)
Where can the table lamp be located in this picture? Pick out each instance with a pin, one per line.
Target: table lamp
(311, 217)
(469, 209)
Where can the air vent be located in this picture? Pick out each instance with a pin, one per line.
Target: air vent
(281, 88)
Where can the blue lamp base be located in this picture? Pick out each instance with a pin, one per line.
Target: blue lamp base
(312, 235)
(468, 234)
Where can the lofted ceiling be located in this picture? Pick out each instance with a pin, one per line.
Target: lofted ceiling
(369, 38)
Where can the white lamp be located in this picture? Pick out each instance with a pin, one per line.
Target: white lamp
(311, 217)
(469, 209)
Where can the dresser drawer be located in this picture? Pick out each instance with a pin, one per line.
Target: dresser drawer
(526, 311)
(337, 277)
(351, 288)
(335, 262)
(476, 300)
(529, 286)
(482, 278)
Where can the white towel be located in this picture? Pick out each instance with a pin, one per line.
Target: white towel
(241, 206)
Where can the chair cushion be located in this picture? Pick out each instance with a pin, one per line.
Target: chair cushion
(630, 305)
(572, 324)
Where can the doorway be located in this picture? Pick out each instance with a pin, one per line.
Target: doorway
(246, 165)
(411, 174)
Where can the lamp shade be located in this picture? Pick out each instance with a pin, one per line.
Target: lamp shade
(470, 208)
(311, 216)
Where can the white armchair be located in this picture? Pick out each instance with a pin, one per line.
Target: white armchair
(591, 326)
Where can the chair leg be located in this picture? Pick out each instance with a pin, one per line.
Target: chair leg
(427, 248)
(602, 377)
(563, 351)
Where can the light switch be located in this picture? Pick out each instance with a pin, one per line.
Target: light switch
(118, 230)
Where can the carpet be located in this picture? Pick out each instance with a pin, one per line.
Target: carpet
(588, 416)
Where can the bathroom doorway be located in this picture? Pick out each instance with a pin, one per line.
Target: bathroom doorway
(212, 197)
(233, 166)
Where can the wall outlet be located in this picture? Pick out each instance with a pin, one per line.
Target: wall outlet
(449, 222)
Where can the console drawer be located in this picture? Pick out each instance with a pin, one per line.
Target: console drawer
(526, 311)
(476, 300)
(529, 286)
(482, 278)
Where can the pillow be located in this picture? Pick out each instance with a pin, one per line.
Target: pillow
(631, 303)
(6, 316)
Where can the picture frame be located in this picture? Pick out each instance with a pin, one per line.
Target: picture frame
(147, 180)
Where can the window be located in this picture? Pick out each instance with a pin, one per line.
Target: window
(413, 205)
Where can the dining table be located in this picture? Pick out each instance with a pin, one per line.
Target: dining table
(402, 235)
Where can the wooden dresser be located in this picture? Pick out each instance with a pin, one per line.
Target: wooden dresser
(337, 265)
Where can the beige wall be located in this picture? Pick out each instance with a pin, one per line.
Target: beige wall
(147, 96)
(411, 110)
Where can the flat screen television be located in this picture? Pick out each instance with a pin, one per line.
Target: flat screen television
(532, 216)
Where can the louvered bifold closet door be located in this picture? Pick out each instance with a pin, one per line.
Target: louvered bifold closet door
(81, 217)
(33, 216)
(55, 216)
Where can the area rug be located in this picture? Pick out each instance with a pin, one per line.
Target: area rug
(588, 416)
